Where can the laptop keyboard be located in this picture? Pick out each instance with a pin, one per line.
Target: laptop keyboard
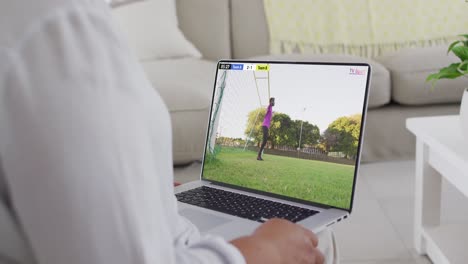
(241, 205)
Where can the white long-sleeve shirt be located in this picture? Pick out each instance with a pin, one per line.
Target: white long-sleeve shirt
(85, 143)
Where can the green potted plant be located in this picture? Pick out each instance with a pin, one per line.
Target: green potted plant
(457, 70)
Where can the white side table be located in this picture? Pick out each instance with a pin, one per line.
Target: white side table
(440, 152)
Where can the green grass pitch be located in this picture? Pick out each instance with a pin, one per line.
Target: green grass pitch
(318, 181)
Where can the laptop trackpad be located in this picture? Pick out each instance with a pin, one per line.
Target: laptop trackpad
(204, 221)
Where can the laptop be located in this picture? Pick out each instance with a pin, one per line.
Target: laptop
(283, 141)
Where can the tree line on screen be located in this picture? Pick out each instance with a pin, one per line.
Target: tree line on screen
(342, 134)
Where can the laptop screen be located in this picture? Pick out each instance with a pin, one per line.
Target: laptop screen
(288, 129)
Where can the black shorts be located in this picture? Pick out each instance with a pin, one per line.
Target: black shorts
(265, 133)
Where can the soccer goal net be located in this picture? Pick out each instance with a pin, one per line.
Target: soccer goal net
(239, 98)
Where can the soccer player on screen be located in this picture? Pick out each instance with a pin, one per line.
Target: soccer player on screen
(266, 126)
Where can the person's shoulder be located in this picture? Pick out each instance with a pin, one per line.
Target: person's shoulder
(40, 24)
(20, 17)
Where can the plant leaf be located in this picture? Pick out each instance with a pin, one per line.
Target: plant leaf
(432, 76)
(461, 52)
(453, 45)
(460, 67)
(464, 35)
(449, 72)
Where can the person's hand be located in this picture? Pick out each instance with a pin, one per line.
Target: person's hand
(280, 242)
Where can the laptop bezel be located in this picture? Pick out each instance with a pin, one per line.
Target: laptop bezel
(279, 196)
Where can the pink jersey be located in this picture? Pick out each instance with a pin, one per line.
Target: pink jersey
(269, 114)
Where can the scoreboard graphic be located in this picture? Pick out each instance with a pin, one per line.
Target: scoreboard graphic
(244, 67)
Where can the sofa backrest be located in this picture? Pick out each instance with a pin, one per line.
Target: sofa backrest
(224, 29)
(206, 23)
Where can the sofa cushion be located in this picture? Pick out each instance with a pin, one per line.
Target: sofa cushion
(379, 93)
(409, 69)
(206, 23)
(152, 31)
(186, 86)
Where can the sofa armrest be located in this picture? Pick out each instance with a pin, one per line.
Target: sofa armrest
(206, 24)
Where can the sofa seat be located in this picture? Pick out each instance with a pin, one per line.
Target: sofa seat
(186, 86)
(380, 88)
(386, 137)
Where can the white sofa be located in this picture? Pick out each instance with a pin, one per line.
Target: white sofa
(223, 29)
(235, 29)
